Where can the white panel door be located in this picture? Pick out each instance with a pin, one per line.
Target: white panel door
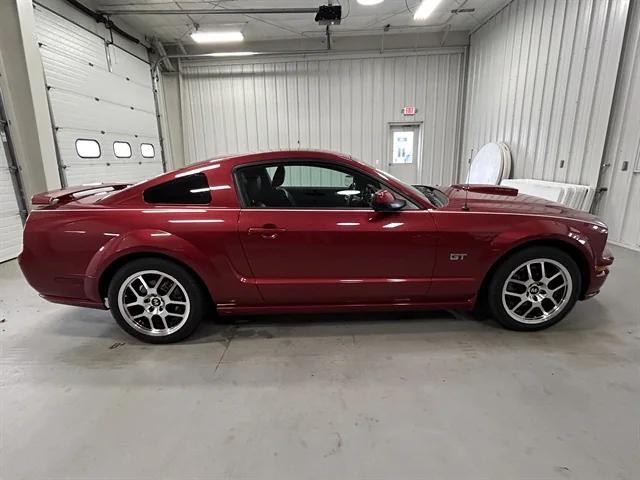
(404, 152)
(10, 221)
(98, 92)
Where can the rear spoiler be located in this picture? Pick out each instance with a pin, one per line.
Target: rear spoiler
(55, 197)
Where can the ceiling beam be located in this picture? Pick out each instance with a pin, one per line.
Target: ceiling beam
(201, 11)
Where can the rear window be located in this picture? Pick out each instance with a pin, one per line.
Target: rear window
(190, 190)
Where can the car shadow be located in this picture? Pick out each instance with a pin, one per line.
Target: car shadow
(587, 317)
(223, 329)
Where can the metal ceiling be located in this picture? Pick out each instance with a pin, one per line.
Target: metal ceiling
(172, 28)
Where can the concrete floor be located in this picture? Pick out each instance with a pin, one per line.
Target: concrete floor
(431, 395)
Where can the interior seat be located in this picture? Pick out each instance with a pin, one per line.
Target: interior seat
(264, 192)
(283, 196)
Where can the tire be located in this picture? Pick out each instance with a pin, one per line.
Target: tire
(166, 311)
(534, 288)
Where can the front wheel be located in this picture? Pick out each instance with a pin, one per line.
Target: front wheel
(534, 288)
(156, 300)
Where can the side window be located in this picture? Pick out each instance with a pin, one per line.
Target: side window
(305, 185)
(312, 176)
(122, 149)
(147, 150)
(190, 190)
(87, 148)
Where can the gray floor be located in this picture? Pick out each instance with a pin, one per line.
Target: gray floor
(431, 395)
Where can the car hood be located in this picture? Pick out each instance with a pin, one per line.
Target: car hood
(498, 199)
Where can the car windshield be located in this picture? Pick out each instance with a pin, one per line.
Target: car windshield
(436, 197)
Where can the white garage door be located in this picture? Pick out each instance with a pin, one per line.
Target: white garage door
(10, 221)
(102, 104)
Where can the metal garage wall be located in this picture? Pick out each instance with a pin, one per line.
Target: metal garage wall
(621, 170)
(541, 78)
(97, 91)
(341, 103)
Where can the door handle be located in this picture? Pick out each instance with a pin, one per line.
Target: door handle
(266, 231)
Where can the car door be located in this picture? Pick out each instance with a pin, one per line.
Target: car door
(311, 237)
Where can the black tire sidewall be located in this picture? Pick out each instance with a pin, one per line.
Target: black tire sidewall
(193, 289)
(494, 292)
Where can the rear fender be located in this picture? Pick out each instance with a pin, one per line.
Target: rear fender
(146, 241)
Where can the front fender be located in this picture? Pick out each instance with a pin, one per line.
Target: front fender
(471, 248)
(510, 240)
(145, 241)
(551, 231)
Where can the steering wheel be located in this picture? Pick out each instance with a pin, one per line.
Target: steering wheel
(347, 198)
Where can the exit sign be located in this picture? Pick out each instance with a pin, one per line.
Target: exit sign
(408, 111)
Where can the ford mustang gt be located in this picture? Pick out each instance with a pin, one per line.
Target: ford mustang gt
(307, 231)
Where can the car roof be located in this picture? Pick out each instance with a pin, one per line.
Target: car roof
(251, 157)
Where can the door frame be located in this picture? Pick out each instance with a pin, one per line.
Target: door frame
(244, 205)
(418, 157)
(14, 168)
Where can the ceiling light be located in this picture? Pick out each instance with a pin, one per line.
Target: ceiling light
(425, 9)
(217, 37)
(369, 2)
(232, 54)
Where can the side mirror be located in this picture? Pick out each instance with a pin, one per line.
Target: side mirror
(384, 201)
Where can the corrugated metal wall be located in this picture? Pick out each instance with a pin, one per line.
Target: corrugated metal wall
(621, 176)
(341, 103)
(541, 78)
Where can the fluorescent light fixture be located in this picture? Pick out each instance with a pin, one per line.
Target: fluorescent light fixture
(217, 37)
(425, 9)
(232, 54)
(369, 2)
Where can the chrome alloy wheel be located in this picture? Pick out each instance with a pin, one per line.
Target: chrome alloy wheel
(154, 303)
(537, 291)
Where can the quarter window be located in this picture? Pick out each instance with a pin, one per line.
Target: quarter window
(122, 149)
(87, 148)
(147, 150)
(189, 190)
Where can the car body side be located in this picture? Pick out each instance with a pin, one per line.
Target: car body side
(441, 259)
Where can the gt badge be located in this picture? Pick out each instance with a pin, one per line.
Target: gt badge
(455, 257)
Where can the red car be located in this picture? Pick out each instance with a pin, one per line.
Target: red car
(307, 231)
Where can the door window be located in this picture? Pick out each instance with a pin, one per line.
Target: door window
(402, 146)
(87, 148)
(304, 185)
(122, 149)
(147, 150)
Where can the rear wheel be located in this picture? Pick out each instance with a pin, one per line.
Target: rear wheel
(534, 288)
(156, 300)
